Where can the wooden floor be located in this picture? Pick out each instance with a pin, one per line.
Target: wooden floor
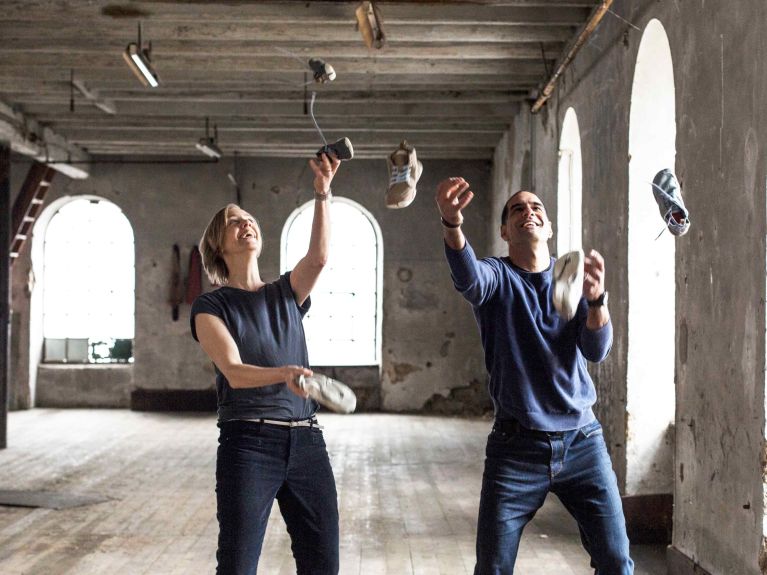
(408, 493)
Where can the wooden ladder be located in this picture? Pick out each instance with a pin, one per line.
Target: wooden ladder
(28, 205)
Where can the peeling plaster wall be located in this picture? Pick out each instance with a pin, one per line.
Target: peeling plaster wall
(720, 70)
(430, 343)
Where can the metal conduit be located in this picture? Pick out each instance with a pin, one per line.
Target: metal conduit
(586, 30)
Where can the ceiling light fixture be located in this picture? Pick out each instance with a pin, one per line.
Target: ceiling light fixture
(139, 61)
(209, 145)
(370, 24)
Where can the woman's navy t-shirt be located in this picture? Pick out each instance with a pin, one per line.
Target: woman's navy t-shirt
(267, 327)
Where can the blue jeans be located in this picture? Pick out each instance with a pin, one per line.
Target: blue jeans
(258, 463)
(522, 466)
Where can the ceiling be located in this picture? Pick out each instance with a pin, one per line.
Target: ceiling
(449, 78)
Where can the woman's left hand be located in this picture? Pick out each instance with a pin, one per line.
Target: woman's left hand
(324, 169)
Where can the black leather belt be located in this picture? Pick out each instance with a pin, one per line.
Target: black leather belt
(513, 427)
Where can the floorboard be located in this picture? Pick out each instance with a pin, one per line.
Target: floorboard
(408, 494)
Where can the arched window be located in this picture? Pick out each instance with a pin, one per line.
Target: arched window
(651, 272)
(88, 284)
(569, 194)
(343, 326)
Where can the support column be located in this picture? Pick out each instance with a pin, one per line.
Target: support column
(5, 288)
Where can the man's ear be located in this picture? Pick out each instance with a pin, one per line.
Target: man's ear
(503, 233)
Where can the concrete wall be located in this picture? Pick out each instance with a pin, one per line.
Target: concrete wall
(720, 66)
(430, 345)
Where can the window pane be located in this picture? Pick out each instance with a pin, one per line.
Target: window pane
(89, 273)
(342, 325)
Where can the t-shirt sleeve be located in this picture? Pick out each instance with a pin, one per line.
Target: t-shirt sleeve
(205, 304)
(287, 292)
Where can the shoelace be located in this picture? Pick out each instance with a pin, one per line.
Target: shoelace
(399, 174)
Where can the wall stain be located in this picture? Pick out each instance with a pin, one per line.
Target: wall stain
(471, 399)
(404, 274)
(418, 300)
(401, 371)
(683, 338)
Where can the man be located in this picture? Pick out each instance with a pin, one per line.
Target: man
(545, 436)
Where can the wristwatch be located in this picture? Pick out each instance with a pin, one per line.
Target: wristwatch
(600, 301)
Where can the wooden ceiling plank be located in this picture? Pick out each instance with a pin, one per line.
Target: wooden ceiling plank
(321, 110)
(303, 50)
(120, 33)
(306, 13)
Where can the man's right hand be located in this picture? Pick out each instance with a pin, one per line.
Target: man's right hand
(453, 194)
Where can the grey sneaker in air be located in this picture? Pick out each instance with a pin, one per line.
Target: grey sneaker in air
(668, 196)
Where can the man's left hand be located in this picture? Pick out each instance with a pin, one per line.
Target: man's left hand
(594, 276)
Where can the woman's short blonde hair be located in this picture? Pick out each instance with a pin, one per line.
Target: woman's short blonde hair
(212, 246)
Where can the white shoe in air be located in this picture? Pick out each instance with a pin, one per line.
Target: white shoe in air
(568, 283)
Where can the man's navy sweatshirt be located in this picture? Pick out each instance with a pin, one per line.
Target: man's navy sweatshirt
(536, 359)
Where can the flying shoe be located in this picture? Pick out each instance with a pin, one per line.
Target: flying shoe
(404, 172)
(568, 283)
(668, 196)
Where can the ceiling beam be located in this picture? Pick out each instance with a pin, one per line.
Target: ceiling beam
(30, 139)
(329, 50)
(564, 13)
(228, 67)
(195, 80)
(467, 97)
(104, 151)
(238, 140)
(291, 124)
(215, 31)
(322, 109)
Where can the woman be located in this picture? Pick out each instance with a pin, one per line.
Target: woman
(270, 446)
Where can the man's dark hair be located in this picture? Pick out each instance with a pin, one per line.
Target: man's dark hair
(505, 211)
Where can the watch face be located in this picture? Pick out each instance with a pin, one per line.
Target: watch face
(605, 297)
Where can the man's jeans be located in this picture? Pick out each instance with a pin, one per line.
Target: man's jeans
(521, 467)
(258, 463)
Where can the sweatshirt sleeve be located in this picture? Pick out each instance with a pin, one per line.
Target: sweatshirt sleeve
(477, 280)
(595, 344)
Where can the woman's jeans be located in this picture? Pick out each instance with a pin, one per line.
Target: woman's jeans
(258, 463)
(522, 466)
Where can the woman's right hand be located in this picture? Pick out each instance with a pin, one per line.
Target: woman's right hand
(292, 374)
